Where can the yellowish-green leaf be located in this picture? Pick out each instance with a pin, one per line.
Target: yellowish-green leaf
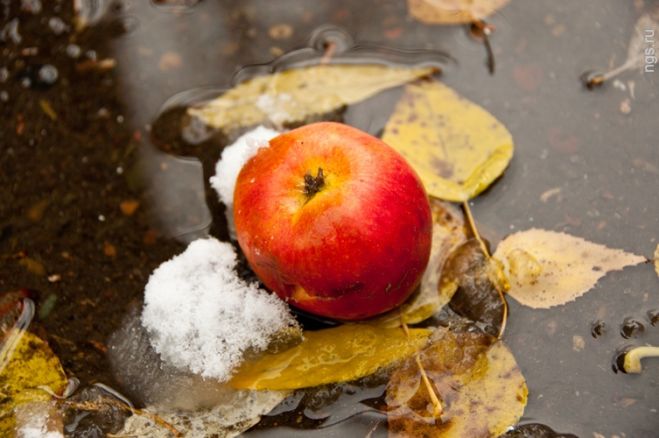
(453, 11)
(337, 354)
(29, 372)
(476, 378)
(457, 148)
(448, 233)
(294, 95)
(548, 268)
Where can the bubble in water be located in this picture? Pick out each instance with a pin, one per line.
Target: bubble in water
(598, 328)
(631, 328)
(57, 25)
(47, 75)
(73, 50)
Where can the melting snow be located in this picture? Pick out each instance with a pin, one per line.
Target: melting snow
(202, 317)
(233, 159)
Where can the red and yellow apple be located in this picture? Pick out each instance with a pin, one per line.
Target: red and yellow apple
(334, 221)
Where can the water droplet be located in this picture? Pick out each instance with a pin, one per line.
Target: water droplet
(73, 50)
(631, 328)
(47, 75)
(598, 328)
(57, 25)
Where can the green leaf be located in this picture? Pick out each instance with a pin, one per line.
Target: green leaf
(337, 354)
(457, 148)
(476, 378)
(294, 95)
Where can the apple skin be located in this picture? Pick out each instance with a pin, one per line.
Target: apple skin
(355, 248)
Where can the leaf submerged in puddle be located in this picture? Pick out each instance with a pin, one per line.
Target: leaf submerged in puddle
(448, 233)
(295, 95)
(338, 354)
(548, 268)
(457, 148)
(453, 11)
(481, 389)
(473, 280)
(29, 371)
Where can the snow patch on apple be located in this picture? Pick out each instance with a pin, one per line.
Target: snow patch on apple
(202, 317)
(232, 160)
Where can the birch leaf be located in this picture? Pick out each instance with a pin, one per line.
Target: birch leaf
(337, 354)
(457, 148)
(224, 420)
(448, 233)
(476, 378)
(453, 11)
(294, 95)
(27, 366)
(548, 268)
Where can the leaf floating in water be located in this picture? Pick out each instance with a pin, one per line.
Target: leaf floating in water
(641, 52)
(481, 388)
(472, 279)
(224, 420)
(448, 233)
(453, 11)
(548, 268)
(337, 354)
(457, 148)
(29, 372)
(294, 95)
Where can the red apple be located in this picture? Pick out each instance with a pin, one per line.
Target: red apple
(334, 221)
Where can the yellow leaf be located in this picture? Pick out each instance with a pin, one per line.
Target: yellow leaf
(453, 11)
(548, 268)
(448, 233)
(476, 378)
(294, 95)
(337, 354)
(656, 260)
(457, 148)
(27, 366)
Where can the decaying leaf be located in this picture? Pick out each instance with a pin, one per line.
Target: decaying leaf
(481, 389)
(337, 354)
(457, 148)
(225, 420)
(294, 95)
(447, 234)
(548, 268)
(30, 372)
(473, 280)
(453, 11)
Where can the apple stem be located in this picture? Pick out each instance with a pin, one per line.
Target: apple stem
(477, 236)
(313, 184)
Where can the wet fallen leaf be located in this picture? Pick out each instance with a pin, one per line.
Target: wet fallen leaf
(656, 260)
(481, 389)
(535, 430)
(224, 420)
(129, 206)
(337, 354)
(29, 370)
(453, 11)
(447, 234)
(548, 268)
(472, 279)
(457, 148)
(295, 95)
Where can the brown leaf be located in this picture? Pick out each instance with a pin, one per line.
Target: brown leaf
(476, 377)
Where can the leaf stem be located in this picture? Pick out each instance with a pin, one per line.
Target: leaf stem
(436, 402)
(477, 236)
(632, 360)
